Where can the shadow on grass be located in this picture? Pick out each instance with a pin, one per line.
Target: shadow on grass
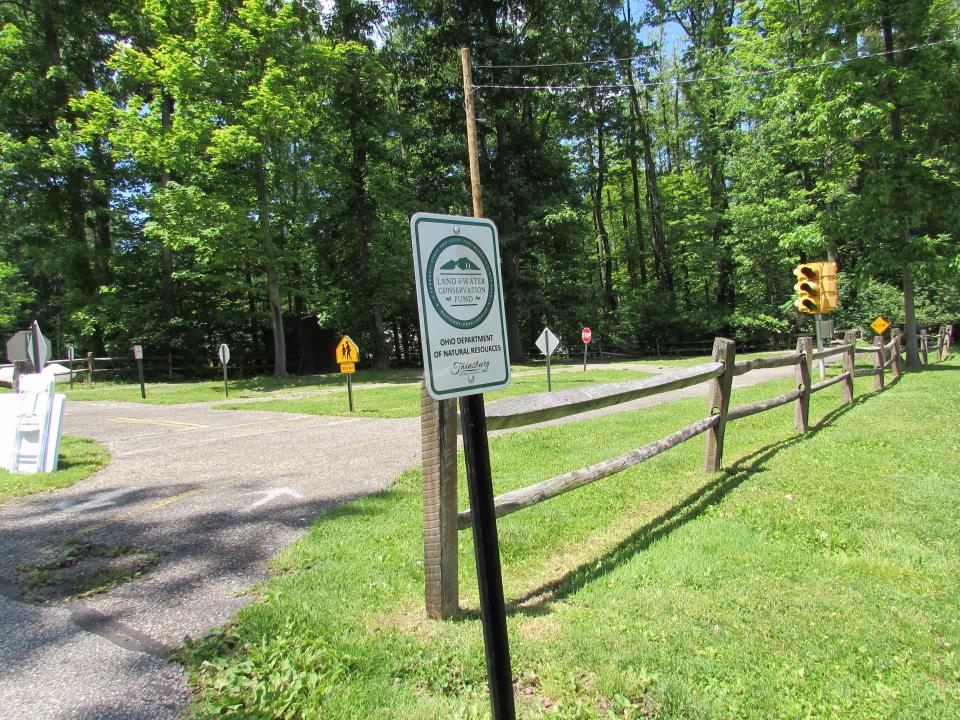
(538, 601)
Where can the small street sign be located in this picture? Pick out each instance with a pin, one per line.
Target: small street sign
(548, 342)
(586, 335)
(138, 356)
(223, 352)
(347, 355)
(880, 325)
(17, 346)
(347, 351)
(71, 353)
(460, 300)
(39, 348)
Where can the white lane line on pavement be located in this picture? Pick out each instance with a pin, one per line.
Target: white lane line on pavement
(271, 494)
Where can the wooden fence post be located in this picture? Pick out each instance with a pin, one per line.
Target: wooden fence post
(925, 346)
(940, 333)
(718, 402)
(897, 369)
(878, 379)
(948, 336)
(438, 432)
(849, 364)
(802, 375)
(90, 369)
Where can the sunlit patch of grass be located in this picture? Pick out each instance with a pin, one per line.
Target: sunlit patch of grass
(816, 576)
(79, 458)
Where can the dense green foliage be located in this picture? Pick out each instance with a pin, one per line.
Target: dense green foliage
(761, 592)
(184, 172)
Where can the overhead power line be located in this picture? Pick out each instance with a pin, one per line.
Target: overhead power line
(714, 78)
(615, 60)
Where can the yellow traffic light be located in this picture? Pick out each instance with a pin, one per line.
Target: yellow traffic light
(816, 287)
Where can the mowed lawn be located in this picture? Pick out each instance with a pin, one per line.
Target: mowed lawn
(817, 576)
(79, 459)
(394, 401)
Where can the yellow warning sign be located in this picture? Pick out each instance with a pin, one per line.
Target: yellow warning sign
(347, 351)
(348, 368)
(880, 325)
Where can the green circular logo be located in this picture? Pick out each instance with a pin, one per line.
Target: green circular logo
(460, 282)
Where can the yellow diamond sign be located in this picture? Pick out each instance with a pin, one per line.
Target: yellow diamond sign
(880, 325)
(347, 351)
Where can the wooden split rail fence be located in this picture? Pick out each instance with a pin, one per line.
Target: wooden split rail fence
(443, 520)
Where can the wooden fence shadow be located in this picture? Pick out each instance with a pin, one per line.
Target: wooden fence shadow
(538, 601)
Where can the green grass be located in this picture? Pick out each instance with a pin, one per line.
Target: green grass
(815, 577)
(188, 392)
(79, 459)
(404, 400)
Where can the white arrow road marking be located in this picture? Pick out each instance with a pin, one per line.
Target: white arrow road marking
(100, 501)
(272, 494)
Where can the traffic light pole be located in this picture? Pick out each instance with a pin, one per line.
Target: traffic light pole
(821, 365)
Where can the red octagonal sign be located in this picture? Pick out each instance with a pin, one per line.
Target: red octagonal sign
(586, 335)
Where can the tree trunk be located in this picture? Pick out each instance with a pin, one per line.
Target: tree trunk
(661, 259)
(509, 258)
(167, 288)
(609, 302)
(896, 130)
(270, 265)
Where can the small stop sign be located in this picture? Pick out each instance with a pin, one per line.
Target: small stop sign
(586, 335)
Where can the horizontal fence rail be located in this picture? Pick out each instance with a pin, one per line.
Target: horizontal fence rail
(443, 520)
(531, 495)
(553, 406)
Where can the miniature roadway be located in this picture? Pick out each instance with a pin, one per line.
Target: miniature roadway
(215, 494)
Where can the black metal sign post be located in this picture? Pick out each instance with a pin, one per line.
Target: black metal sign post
(138, 356)
(549, 383)
(350, 390)
(487, 551)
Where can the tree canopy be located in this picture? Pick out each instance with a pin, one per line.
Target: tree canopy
(179, 173)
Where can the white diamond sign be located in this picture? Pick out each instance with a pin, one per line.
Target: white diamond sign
(460, 297)
(548, 342)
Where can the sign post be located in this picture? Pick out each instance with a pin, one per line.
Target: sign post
(223, 352)
(71, 353)
(548, 342)
(347, 353)
(465, 353)
(138, 356)
(586, 335)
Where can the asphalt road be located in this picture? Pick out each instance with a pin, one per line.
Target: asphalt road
(215, 494)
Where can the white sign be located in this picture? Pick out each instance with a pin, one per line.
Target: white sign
(137, 352)
(30, 423)
(224, 353)
(547, 342)
(71, 352)
(460, 298)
